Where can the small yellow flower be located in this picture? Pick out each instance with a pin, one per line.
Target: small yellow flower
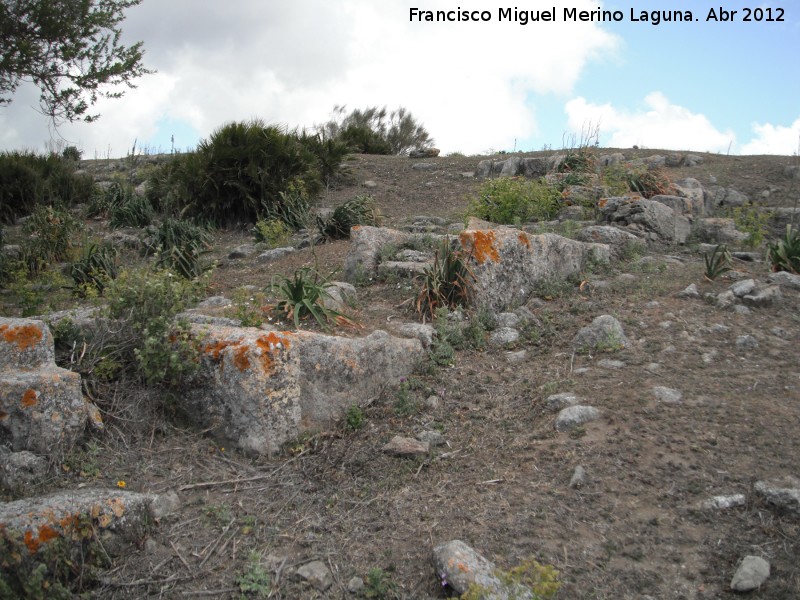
(121, 484)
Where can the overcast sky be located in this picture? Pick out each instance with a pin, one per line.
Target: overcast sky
(476, 86)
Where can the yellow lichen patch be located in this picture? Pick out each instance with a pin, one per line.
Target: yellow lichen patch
(483, 245)
(24, 336)
(524, 239)
(29, 398)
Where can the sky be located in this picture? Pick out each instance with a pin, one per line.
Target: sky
(703, 85)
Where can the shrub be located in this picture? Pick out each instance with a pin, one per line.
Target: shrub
(28, 179)
(179, 245)
(272, 232)
(237, 175)
(513, 200)
(578, 161)
(447, 283)
(784, 254)
(51, 237)
(94, 270)
(752, 221)
(374, 130)
(330, 154)
(647, 181)
(150, 342)
(358, 211)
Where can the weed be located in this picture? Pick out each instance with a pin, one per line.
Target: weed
(648, 181)
(248, 308)
(784, 254)
(530, 579)
(255, 578)
(360, 210)
(513, 200)
(447, 283)
(272, 232)
(379, 585)
(218, 514)
(717, 263)
(354, 417)
(404, 404)
(752, 221)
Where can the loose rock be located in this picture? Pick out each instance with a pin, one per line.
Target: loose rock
(575, 416)
(751, 574)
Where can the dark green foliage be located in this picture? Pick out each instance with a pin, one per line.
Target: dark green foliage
(581, 160)
(178, 246)
(330, 154)
(717, 263)
(374, 130)
(28, 180)
(51, 234)
(784, 254)
(302, 296)
(244, 171)
(515, 200)
(70, 50)
(358, 211)
(71, 153)
(94, 270)
(131, 210)
(447, 283)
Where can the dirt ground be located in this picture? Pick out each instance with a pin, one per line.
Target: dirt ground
(501, 481)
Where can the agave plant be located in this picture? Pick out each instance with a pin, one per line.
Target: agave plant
(303, 295)
(449, 282)
(718, 262)
(784, 254)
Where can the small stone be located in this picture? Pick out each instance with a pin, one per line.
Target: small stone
(763, 298)
(575, 416)
(726, 299)
(741, 310)
(743, 287)
(653, 367)
(709, 357)
(503, 336)
(719, 328)
(242, 251)
(690, 292)
(723, 502)
(608, 363)
(274, 254)
(432, 438)
(605, 333)
(560, 401)
(355, 585)
(406, 447)
(751, 574)
(316, 573)
(517, 357)
(432, 402)
(746, 342)
(165, 504)
(667, 395)
(578, 478)
(369, 184)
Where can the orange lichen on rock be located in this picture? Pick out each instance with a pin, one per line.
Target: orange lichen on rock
(217, 348)
(524, 239)
(24, 336)
(483, 245)
(240, 359)
(29, 398)
(268, 344)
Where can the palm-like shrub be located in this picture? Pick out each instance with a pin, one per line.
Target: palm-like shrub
(94, 270)
(178, 246)
(360, 210)
(448, 283)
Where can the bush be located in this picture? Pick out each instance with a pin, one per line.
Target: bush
(784, 254)
(374, 130)
(178, 246)
(28, 180)
(153, 346)
(513, 200)
(51, 237)
(238, 175)
(358, 211)
(648, 181)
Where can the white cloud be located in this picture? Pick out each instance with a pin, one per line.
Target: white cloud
(774, 139)
(468, 83)
(660, 124)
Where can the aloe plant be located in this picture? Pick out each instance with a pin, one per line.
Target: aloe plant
(784, 254)
(447, 283)
(718, 262)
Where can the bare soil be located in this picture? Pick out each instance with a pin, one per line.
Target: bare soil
(500, 483)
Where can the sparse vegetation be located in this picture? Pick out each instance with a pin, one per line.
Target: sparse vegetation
(375, 130)
(358, 211)
(717, 263)
(448, 283)
(272, 232)
(784, 254)
(51, 237)
(302, 296)
(179, 245)
(96, 267)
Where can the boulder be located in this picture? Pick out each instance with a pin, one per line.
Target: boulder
(25, 344)
(258, 389)
(604, 333)
(656, 220)
(424, 153)
(716, 230)
(785, 279)
(509, 263)
(20, 471)
(717, 196)
(365, 246)
(692, 190)
(679, 204)
(785, 494)
(618, 240)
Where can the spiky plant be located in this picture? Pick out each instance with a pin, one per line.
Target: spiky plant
(784, 254)
(303, 295)
(717, 263)
(94, 270)
(360, 210)
(448, 282)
